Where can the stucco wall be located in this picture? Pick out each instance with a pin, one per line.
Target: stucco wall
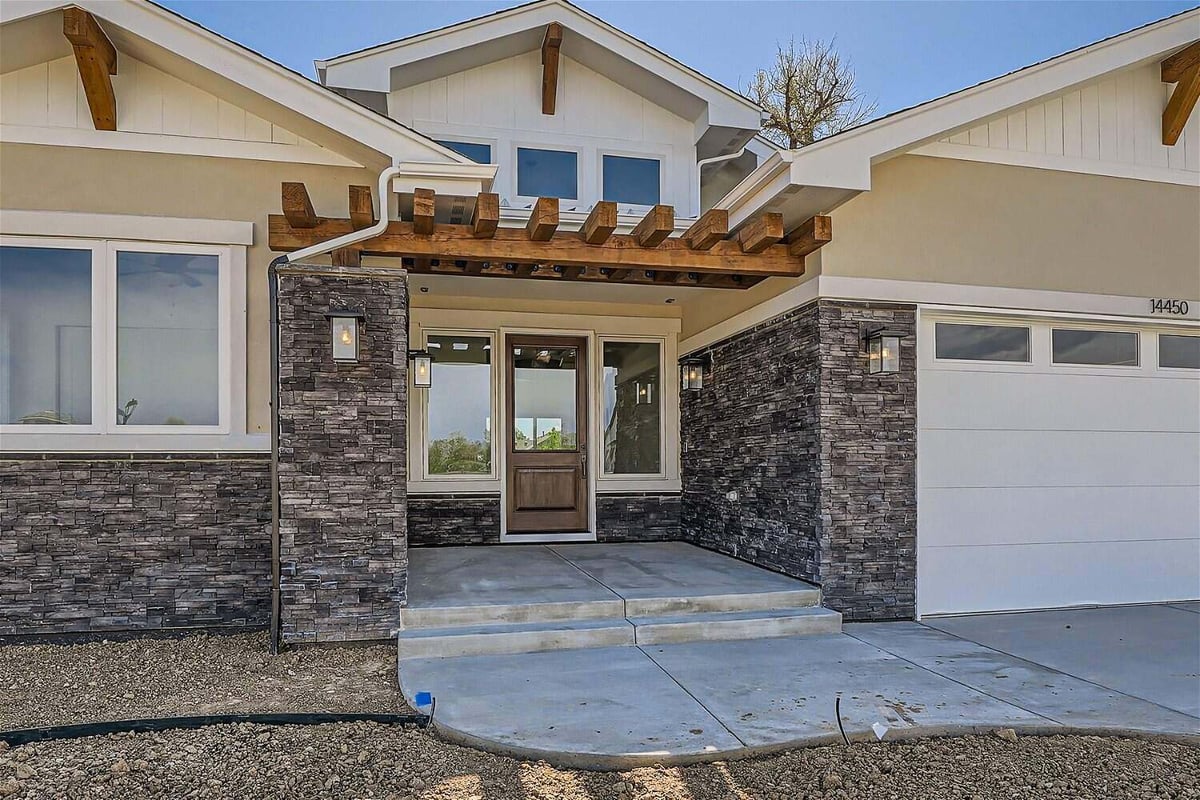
(152, 184)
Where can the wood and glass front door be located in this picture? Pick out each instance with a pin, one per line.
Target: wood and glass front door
(546, 386)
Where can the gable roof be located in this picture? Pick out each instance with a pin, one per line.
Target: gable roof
(170, 42)
(587, 39)
(830, 171)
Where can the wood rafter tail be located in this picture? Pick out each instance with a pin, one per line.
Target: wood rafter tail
(362, 207)
(424, 211)
(813, 234)
(297, 207)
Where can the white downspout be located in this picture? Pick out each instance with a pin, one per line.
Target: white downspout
(704, 162)
(355, 237)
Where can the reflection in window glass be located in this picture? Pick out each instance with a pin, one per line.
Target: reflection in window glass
(45, 336)
(1110, 348)
(459, 410)
(632, 408)
(544, 401)
(547, 173)
(479, 153)
(981, 342)
(1178, 352)
(167, 340)
(631, 180)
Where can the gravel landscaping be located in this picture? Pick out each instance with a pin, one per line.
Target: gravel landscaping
(365, 760)
(53, 684)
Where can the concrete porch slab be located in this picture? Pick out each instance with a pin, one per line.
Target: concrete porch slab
(1149, 652)
(1063, 698)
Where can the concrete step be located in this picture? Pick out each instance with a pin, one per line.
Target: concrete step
(414, 617)
(806, 597)
(762, 624)
(507, 638)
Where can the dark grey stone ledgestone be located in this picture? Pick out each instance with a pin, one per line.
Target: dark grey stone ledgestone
(637, 518)
(118, 541)
(342, 456)
(795, 459)
(455, 519)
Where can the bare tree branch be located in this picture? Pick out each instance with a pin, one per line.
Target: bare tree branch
(808, 93)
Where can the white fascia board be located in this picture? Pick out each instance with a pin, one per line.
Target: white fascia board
(267, 79)
(371, 69)
(454, 179)
(13, 10)
(22, 222)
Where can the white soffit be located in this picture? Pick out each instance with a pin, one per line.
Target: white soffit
(587, 39)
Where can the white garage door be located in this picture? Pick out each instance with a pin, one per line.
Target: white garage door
(1058, 464)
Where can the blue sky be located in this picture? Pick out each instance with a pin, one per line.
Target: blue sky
(903, 52)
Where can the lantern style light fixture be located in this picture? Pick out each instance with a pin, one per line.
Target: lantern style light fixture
(644, 393)
(343, 328)
(883, 351)
(691, 372)
(422, 368)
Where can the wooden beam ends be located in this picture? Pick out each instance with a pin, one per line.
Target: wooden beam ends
(1179, 107)
(346, 257)
(759, 234)
(656, 226)
(550, 45)
(486, 216)
(96, 59)
(543, 219)
(600, 223)
(1175, 67)
(813, 234)
(424, 210)
(297, 206)
(712, 227)
(362, 207)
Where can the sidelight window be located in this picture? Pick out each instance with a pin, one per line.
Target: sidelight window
(632, 421)
(459, 409)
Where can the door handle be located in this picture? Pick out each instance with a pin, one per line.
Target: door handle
(583, 463)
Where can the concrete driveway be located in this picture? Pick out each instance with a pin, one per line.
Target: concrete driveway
(1132, 669)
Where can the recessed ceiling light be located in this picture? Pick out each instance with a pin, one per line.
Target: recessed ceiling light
(670, 299)
(424, 290)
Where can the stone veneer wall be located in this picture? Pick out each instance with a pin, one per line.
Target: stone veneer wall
(453, 519)
(98, 543)
(634, 517)
(797, 460)
(341, 455)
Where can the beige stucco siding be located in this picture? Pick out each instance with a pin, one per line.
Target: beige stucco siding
(950, 221)
(121, 182)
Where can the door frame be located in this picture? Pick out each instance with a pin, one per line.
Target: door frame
(502, 412)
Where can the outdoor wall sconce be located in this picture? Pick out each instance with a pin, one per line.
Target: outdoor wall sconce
(644, 393)
(343, 325)
(691, 372)
(422, 368)
(883, 350)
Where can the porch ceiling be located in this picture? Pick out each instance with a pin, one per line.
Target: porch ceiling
(707, 254)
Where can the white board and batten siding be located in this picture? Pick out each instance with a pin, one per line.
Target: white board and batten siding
(1110, 126)
(1044, 485)
(500, 104)
(50, 96)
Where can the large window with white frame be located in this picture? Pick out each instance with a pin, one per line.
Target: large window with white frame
(459, 413)
(632, 418)
(105, 336)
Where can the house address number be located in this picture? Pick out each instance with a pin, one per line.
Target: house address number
(1176, 308)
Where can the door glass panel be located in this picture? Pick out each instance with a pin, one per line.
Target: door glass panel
(544, 401)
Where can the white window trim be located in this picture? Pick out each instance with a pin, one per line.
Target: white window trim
(491, 143)
(580, 187)
(663, 165)
(103, 434)
(419, 415)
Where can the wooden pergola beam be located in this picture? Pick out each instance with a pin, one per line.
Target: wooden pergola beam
(656, 226)
(710, 228)
(760, 233)
(543, 219)
(600, 223)
(96, 59)
(513, 245)
(812, 235)
(362, 207)
(486, 216)
(424, 211)
(1179, 107)
(1175, 67)
(297, 207)
(550, 45)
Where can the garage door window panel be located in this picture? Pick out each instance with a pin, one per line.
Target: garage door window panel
(1178, 352)
(1086, 347)
(954, 341)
